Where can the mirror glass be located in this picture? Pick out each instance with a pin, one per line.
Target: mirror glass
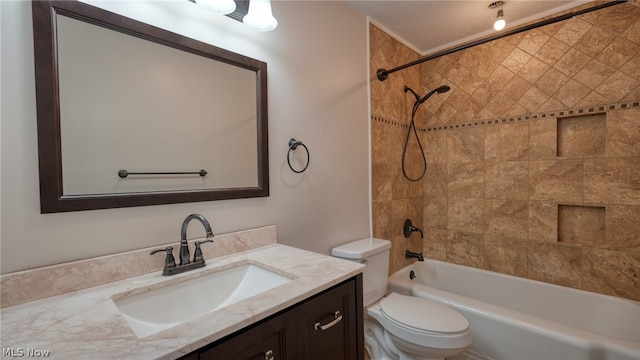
(135, 115)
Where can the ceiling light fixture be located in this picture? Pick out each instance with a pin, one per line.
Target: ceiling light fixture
(218, 6)
(259, 17)
(499, 23)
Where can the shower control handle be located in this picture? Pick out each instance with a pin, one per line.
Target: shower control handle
(408, 228)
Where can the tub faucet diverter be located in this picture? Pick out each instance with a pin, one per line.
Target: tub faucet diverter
(408, 228)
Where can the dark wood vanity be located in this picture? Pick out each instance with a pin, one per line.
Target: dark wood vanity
(328, 325)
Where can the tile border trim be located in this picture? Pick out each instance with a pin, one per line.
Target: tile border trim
(634, 104)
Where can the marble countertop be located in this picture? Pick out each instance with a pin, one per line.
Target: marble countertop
(87, 324)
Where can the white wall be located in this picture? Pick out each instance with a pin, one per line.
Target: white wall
(317, 83)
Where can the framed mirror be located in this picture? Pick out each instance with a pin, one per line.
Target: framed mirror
(129, 114)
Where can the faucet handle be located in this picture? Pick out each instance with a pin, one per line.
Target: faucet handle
(197, 254)
(169, 261)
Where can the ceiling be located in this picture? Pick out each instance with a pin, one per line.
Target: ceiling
(427, 26)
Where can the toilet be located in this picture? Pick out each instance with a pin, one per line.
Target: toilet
(398, 326)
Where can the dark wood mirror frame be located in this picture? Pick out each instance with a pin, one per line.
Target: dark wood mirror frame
(52, 198)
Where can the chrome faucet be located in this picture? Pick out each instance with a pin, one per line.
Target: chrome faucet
(170, 267)
(184, 247)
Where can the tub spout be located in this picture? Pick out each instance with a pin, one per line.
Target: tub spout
(410, 254)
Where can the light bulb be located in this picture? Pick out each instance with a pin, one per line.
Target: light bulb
(218, 6)
(259, 17)
(500, 23)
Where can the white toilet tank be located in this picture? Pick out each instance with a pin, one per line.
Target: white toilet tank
(374, 253)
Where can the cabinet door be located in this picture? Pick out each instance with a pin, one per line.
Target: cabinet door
(327, 325)
(265, 341)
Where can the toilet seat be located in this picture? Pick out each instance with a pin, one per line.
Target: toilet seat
(422, 322)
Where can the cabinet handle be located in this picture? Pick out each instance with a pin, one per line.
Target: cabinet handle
(337, 317)
(268, 355)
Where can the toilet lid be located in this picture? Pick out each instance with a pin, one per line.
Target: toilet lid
(422, 314)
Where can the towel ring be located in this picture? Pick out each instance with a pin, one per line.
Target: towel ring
(293, 144)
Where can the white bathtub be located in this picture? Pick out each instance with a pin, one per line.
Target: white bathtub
(513, 318)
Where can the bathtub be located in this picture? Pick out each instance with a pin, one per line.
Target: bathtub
(513, 318)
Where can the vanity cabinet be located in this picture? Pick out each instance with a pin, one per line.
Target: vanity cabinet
(328, 325)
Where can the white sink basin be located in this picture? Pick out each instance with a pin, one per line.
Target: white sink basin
(160, 308)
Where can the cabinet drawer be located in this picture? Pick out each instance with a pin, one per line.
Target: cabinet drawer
(264, 342)
(327, 325)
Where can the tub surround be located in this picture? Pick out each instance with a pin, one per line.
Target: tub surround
(533, 156)
(83, 323)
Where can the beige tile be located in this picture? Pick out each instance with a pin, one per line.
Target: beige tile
(632, 68)
(543, 221)
(623, 228)
(435, 244)
(533, 40)
(507, 180)
(594, 40)
(623, 133)
(500, 77)
(465, 214)
(533, 99)
(552, 51)
(505, 255)
(571, 93)
(591, 99)
(612, 181)
(617, 86)
(504, 142)
(543, 139)
(381, 181)
(435, 212)
(499, 104)
(572, 30)
(465, 179)
(435, 181)
(618, 18)
(465, 145)
(582, 136)
(581, 225)
(533, 70)
(516, 60)
(558, 180)
(612, 272)
(435, 146)
(516, 87)
(555, 263)
(633, 32)
(508, 218)
(594, 73)
(552, 105)
(465, 248)
(552, 81)
(405, 189)
(571, 62)
(618, 52)
(383, 226)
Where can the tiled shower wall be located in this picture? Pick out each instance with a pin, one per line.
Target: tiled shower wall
(533, 155)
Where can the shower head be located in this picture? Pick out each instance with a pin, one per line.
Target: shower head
(443, 89)
(440, 90)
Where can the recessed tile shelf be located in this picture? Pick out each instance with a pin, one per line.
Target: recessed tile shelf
(582, 136)
(581, 225)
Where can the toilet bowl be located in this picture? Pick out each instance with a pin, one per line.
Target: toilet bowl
(399, 326)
